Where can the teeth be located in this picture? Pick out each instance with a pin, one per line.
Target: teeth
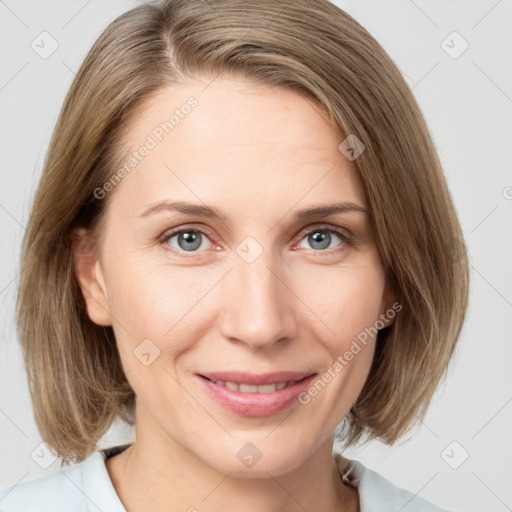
(231, 385)
(247, 388)
(251, 388)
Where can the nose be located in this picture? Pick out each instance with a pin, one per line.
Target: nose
(258, 305)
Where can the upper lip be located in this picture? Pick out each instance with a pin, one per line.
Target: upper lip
(256, 378)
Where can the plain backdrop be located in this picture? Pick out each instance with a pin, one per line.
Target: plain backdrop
(460, 456)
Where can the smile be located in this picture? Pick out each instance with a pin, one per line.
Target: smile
(254, 395)
(251, 388)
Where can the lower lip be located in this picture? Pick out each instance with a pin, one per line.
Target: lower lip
(256, 404)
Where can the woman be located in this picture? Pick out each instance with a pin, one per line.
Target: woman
(241, 240)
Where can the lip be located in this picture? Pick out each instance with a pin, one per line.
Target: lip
(256, 404)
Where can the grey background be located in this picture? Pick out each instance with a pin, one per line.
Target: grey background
(467, 102)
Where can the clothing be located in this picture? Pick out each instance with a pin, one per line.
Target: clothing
(86, 487)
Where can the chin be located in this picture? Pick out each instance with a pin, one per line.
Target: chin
(256, 460)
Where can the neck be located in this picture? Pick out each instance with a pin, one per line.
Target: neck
(178, 478)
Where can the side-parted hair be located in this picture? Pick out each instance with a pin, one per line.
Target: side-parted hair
(76, 379)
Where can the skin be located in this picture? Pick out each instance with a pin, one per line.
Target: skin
(258, 154)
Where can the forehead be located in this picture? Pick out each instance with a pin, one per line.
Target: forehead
(217, 138)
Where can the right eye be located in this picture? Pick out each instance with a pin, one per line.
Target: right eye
(186, 239)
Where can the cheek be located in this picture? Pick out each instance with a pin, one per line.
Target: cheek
(155, 322)
(149, 296)
(163, 303)
(345, 300)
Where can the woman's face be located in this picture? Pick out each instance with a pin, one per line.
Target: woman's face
(252, 288)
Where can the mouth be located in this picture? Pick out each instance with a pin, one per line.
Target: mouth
(243, 386)
(252, 388)
(256, 394)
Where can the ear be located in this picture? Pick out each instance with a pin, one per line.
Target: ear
(89, 275)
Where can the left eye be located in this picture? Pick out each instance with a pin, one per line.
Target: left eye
(320, 239)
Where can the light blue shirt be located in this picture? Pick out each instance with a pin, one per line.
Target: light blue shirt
(86, 487)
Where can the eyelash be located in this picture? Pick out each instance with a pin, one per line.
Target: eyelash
(342, 233)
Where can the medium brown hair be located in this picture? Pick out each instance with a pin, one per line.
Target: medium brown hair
(77, 382)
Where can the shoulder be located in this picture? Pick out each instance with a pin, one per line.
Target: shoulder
(376, 493)
(57, 491)
(80, 488)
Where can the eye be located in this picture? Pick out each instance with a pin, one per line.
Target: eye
(192, 240)
(322, 238)
(186, 239)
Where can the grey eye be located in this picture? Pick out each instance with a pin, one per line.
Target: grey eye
(188, 240)
(321, 239)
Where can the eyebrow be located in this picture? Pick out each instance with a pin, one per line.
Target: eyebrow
(212, 212)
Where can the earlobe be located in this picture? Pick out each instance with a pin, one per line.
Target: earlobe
(90, 278)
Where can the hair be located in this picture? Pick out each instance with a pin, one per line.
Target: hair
(76, 380)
